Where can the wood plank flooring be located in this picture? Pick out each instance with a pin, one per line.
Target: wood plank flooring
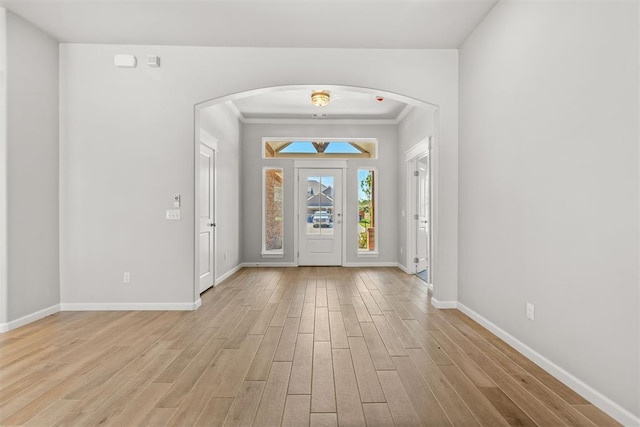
(293, 347)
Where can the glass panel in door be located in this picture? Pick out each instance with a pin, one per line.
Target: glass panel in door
(320, 205)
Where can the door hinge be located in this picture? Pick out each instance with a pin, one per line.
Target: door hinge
(416, 216)
(416, 260)
(416, 173)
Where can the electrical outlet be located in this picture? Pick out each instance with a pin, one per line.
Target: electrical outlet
(401, 250)
(126, 277)
(531, 311)
(225, 256)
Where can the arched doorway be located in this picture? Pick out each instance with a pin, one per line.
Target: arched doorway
(395, 214)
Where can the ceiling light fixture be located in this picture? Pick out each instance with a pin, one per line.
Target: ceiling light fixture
(320, 98)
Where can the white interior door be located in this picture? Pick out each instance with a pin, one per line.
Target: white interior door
(320, 217)
(207, 162)
(422, 215)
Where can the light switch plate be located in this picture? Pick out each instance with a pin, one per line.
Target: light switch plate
(173, 214)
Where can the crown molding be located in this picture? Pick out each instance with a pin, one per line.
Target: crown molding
(407, 108)
(320, 121)
(234, 109)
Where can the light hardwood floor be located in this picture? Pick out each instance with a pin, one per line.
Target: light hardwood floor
(293, 347)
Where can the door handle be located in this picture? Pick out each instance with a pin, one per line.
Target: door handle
(212, 224)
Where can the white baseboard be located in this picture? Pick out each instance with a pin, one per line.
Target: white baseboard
(29, 318)
(133, 306)
(403, 268)
(5, 327)
(293, 264)
(228, 274)
(269, 264)
(595, 397)
(371, 264)
(443, 304)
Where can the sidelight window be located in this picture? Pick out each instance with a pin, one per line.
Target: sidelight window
(272, 212)
(367, 221)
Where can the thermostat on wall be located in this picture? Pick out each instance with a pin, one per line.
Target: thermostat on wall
(125, 61)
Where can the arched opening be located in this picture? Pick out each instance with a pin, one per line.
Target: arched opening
(401, 132)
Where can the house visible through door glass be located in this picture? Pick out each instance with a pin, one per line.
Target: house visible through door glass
(320, 204)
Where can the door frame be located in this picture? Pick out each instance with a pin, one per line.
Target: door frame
(419, 151)
(319, 164)
(203, 137)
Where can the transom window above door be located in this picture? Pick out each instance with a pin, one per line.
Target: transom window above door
(320, 148)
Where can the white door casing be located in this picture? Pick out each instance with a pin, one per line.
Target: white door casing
(421, 185)
(422, 214)
(206, 216)
(320, 216)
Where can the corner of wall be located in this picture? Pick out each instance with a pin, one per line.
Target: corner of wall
(29, 318)
(31, 201)
(63, 170)
(3, 171)
(444, 305)
(241, 133)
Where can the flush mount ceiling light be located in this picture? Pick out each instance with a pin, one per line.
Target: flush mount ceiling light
(320, 98)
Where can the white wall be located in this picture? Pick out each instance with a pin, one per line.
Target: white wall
(32, 169)
(414, 128)
(127, 146)
(417, 125)
(3, 170)
(549, 186)
(386, 164)
(219, 122)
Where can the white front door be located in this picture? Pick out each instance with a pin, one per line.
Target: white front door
(422, 216)
(320, 217)
(206, 216)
